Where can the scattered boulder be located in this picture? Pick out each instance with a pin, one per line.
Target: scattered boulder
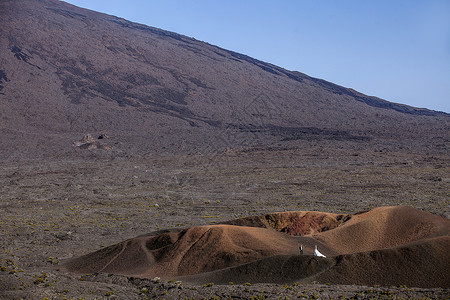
(89, 143)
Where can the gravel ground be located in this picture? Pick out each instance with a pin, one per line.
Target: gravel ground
(56, 209)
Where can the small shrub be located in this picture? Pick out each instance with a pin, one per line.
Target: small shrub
(156, 280)
(41, 279)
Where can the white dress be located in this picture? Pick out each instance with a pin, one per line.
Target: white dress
(317, 253)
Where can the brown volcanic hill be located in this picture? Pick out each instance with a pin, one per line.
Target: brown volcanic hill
(191, 251)
(385, 246)
(380, 228)
(385, 227)
(66, 72)
(419, 265)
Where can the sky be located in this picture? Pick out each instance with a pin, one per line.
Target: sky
(396, 50)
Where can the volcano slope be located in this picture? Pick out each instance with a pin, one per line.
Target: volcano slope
(385, 246)
(66, 72)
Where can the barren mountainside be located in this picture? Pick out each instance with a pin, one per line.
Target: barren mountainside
(128, 152)
(66, 72)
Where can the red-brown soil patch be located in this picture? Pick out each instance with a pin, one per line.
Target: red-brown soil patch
(295, 223)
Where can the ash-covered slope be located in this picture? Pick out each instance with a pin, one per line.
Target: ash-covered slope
(67, 71)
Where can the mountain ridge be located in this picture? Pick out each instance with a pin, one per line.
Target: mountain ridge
(69, 71)
(292, 74)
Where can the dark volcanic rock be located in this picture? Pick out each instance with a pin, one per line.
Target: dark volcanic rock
(3, 79)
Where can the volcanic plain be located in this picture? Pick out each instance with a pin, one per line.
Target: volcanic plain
(56, 212)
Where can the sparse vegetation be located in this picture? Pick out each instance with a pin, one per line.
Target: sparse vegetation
(31, 234)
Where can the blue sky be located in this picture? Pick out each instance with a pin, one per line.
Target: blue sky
(396, 50)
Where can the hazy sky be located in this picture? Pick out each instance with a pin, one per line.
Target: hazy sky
(398, 50)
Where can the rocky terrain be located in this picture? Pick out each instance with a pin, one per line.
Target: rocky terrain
(58, 210)
(113, 130)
